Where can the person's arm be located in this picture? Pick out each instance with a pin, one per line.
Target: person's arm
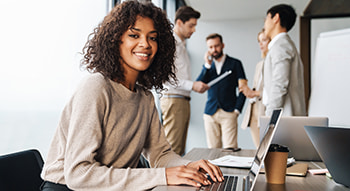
(189, 85)
(280, 79)
(178, 170)
(200, 85)
(204, 75)
(253, 93)
(183, 84)
(249, 93)
(194, 174)
(241, 77)
(82, 170)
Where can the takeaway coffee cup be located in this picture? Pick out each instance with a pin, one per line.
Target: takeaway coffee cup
(242, 83)
(276, 164)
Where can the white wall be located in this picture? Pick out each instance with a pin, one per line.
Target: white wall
(40, 45)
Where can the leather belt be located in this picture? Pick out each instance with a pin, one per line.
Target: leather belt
(176, 96)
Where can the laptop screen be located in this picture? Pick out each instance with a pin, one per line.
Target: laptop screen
(291, 133)
(264, 146)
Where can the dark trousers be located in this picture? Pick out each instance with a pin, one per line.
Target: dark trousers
(50, 186)
(143, 163)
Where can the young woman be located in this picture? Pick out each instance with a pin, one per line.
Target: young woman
(111, 119)
(256, 108)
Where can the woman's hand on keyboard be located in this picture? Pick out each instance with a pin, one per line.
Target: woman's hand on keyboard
(207, 167)
(186, 175)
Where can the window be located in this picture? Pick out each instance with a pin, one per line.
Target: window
(40, 45)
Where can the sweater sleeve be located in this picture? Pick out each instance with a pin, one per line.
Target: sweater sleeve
(204, 75)
(81, 169)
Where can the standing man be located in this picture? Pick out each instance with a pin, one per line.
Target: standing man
(175, 102)
(283, 70)
(223, 106)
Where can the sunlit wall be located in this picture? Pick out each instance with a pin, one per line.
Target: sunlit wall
(41, 41)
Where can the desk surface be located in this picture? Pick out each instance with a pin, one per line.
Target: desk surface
(293, 183)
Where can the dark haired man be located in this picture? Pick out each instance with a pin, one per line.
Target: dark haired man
(175, 102)
(223, 105)
(283, 68)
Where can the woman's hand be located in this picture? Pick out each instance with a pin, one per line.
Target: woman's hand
(193, 174)
(185, 175)
(249, 93)
(206, 167)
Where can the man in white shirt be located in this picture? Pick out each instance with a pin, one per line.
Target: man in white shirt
(283, 69)
(175, 102)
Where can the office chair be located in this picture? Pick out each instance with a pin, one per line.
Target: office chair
(21, 171)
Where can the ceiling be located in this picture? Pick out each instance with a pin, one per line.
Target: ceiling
(212, 10)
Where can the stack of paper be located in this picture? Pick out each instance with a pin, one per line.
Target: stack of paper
(239, 161)
(233, 161)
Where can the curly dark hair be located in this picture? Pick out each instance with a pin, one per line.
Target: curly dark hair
(101, 51)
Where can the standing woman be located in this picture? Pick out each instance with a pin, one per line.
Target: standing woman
(256, 108)
(111, 119)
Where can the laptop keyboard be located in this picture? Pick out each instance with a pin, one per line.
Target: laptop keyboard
(230, 183)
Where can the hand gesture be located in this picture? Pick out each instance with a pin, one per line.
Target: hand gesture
(249, 93)
(200, 87)
(208, 58)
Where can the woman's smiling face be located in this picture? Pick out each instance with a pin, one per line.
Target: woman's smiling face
(139, 46)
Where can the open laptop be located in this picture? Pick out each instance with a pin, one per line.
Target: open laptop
(242, 182)
(332, 143)
(291, 133)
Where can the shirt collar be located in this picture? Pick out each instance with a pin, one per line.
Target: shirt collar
(222, 60)
(178, 40)
(273, 41)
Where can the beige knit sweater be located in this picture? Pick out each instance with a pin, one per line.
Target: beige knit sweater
(102, 132)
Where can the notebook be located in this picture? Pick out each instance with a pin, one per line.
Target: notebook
(243, 182)
(297, 169)
(332, 143)
(291, 133)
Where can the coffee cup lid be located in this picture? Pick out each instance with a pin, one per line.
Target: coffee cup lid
(278, 148)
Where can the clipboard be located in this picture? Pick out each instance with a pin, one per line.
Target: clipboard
(222, 76)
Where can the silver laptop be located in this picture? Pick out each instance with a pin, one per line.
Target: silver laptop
(332, 143)
(291, 133)
(241, 182)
